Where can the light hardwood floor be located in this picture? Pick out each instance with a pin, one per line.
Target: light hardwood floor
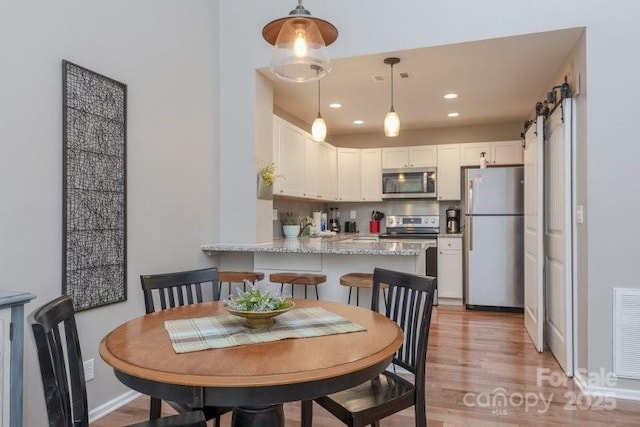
(476, 360)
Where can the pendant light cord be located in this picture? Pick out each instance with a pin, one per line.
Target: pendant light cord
(318, 98)
(392, 88)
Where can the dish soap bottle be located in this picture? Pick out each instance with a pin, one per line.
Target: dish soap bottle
(483, 160)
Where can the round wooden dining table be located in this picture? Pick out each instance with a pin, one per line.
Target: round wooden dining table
(254, 379)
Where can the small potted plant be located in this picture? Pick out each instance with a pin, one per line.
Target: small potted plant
(290, 223)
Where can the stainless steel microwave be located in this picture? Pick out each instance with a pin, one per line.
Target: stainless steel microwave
(404, 183)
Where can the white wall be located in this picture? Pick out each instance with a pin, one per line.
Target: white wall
(167, 54)
(376, 26)
(432, 136)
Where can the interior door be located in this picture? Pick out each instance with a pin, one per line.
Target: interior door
(534, 232)
(558, 238)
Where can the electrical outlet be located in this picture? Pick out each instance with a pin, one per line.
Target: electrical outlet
(580, 214)
(274, 215)
(89, 372)
(352, 214)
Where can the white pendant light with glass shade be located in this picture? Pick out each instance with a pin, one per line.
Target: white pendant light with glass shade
(319, 127)
(391, 120)
(299, 42)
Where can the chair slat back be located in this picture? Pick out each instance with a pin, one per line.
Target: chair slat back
(409, 304)
(177, 289)
(66, 401)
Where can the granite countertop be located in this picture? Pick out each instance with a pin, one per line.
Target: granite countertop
(340, 244)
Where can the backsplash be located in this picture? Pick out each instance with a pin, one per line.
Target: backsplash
(363, 210)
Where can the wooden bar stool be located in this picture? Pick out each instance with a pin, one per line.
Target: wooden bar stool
(238, 277)
(360, 280)
(306, 279)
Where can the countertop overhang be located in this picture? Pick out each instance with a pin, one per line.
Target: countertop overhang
(342, 244)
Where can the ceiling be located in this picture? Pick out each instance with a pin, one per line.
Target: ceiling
(497, 80)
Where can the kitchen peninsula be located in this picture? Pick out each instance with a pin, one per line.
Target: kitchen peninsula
(333, 256)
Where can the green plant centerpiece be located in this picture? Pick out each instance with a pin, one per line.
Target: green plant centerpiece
(290, 221)
(258, 307)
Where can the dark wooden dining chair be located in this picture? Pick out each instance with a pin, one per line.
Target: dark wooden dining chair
(175, 290)
(63, 374)
(409, 303)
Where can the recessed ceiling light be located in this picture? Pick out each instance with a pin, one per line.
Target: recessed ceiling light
(358, 122)
(454, 114)
(451, 96)
(335, 105)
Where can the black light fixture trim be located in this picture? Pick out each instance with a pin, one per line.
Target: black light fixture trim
(328, 31)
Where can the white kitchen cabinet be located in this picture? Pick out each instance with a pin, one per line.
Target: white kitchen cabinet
(470, 153)
(332, 172)
(448, 173)
(312, 167)
(507, 153)
(409, 157)
(496, 153)
(327, 179)
(450, 269)
(289, 146)
(395, 157)
(423, 156)
(371, 174)
(349, 188)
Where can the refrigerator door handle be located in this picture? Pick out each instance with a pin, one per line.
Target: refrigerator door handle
(470, 197)
(470, 233)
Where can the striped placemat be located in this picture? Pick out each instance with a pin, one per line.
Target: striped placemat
(203, 333)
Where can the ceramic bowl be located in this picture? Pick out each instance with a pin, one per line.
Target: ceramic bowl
(259, 319)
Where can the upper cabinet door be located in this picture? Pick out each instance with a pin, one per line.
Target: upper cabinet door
(470, 153)
(507, 153)
(396, 157)
(311, 168)
(418, 156)
(290, 141)
(496, 153)
(326, 175)
(349, 189)
(371, 174)
(332, 172)
(448, 174)
(423, 156)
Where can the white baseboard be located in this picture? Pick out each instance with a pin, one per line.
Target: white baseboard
(112, 405)
(594, 390)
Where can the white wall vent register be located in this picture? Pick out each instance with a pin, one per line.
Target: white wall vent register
(626, 333)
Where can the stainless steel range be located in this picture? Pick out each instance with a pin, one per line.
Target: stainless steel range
(424, 228)
(412, 227)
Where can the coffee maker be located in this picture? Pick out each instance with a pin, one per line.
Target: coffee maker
(453, 220)
(334, 220)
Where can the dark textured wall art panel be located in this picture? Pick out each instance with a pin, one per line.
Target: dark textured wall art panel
(94, 188)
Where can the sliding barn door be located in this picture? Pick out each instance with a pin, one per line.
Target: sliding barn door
(558, 237)
(534, 233)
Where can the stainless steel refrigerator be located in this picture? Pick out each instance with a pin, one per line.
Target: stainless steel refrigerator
(494, 232)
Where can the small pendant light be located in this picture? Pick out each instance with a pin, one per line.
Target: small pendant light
(300, 41)
(319, 127)
(391, 120)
